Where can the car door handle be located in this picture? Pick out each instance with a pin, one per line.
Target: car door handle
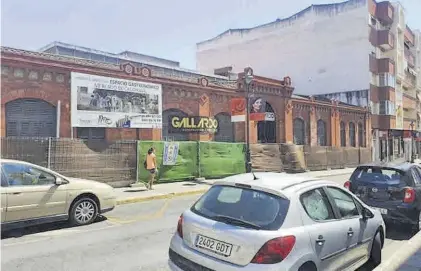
(16, 193)
(350, 233)
(320, 241)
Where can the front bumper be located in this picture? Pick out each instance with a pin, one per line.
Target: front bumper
(108, 204)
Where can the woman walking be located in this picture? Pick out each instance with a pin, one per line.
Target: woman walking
(151, 166)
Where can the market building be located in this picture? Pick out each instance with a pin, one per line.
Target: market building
(75, 92)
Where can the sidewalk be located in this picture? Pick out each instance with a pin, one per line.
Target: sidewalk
(127, 195)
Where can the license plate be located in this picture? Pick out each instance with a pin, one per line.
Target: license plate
(381, 210)
(213, 245)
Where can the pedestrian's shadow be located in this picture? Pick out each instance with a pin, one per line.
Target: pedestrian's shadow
(17, 233)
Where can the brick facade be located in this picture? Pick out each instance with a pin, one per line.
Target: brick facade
(47, 77)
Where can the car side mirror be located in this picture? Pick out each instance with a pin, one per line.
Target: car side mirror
(60, 181)
(367, 214)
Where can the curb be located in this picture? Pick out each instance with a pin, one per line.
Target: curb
(399, 258)
(162, 196)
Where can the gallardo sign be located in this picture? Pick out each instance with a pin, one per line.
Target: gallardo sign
(193, 124)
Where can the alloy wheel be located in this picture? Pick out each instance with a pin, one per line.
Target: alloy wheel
(84, 212)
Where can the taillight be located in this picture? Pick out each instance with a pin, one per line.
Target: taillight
(409, 195)
(180, 226)
(275, 250)
(347, 185)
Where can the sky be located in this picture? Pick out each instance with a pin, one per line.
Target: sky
(161, 28)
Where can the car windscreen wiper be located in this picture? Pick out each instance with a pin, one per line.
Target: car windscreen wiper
(236, 221)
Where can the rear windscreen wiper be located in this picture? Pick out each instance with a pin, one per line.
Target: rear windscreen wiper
(236, 221)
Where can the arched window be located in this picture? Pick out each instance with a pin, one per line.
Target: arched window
(225, 128)
(299, 131)
(352, 134)
(321, 133)
(343, 134)
(30, 118)
(266, 130)
(167, 135)
(361, 133)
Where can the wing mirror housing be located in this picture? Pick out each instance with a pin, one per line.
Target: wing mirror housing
(367, 214)
(60, 181)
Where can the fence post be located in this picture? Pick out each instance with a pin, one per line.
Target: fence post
(199, 171)
(49, 153)
(137, 161)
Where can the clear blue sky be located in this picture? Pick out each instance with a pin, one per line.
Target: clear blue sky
(163, 28)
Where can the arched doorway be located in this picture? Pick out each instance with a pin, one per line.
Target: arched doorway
(299, 131)
(266, 130)
(166, 118)
(30, 118)
(226, 128)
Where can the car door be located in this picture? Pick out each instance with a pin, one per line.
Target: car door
(3, 196)
(357, 232)
(32, 192)
(325, 229)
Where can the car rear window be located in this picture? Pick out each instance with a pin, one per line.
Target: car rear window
(265, 210)
(379, 175)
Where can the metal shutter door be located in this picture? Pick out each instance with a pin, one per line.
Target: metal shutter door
(30, 118)
(226, 128)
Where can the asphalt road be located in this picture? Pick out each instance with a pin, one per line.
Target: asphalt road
(132, 237)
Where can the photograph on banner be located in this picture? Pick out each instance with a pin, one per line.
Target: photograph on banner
(195, 124)
(99, 101)
(257, 106)
(170, 153)
(238, 109)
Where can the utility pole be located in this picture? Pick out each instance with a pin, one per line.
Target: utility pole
(248, 79)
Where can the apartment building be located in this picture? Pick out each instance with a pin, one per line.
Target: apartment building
(359, 52)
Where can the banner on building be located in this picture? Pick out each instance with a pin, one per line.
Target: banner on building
(257, 106)
(98, 101)
(238, 109)
(170, 154)
(194, 124)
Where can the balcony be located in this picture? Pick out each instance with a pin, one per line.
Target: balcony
(381, 65)
(409, 36)
(410, 58)
(409, 102)
(408, 81)
(382, 38)
(384, 12)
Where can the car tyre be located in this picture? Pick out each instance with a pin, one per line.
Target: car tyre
(83, 212)
(308, 266)
(376, 251)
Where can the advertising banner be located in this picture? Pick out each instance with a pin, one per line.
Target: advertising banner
(195, 124)
(98, 101)
(257, 109)
(170, 155)
(238, 109)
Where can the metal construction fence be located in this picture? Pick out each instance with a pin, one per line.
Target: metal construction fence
(120, 163)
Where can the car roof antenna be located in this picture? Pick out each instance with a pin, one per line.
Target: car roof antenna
(254, 176)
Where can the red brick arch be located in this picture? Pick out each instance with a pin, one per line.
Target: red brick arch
(180, 107)
(11, 95)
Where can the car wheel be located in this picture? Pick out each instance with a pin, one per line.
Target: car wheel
(83, 212)
(376, 251)
(417, 227)
(308, 266)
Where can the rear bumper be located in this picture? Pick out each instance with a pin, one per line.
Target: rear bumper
(182, 257)
(402, 213)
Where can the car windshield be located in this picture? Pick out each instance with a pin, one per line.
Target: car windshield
(379, 175)
(242, 207)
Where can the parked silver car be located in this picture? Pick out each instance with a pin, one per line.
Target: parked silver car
(277, 221)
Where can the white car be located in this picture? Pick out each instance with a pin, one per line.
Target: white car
(277, 221)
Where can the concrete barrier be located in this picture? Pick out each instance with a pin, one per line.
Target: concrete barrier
(402, 255)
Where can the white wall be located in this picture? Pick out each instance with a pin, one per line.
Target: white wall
(324, 50)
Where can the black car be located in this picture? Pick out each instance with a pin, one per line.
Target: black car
(394, 190)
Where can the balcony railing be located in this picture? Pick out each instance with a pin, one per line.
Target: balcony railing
(409, 35)
(385, 39)
(409, 57)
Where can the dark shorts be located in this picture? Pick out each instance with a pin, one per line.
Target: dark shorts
(152, 171)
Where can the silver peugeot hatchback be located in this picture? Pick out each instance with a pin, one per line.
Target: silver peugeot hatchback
(276, 221)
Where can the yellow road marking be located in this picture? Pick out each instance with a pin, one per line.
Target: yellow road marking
(146, 217)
